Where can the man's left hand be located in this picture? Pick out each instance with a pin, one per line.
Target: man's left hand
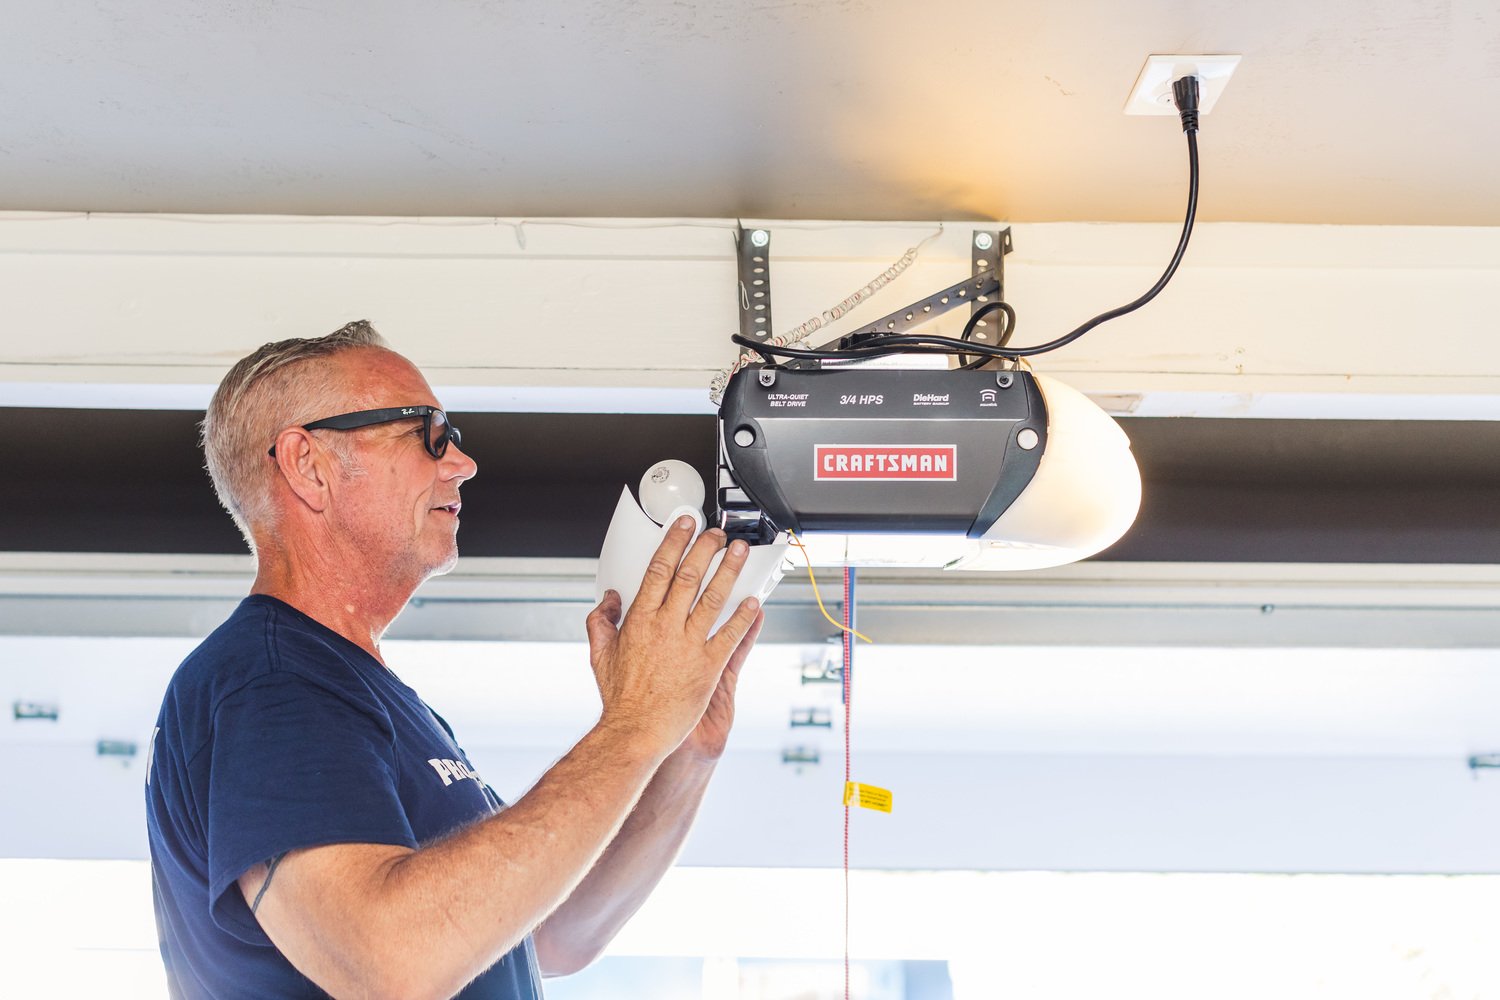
(706, 741)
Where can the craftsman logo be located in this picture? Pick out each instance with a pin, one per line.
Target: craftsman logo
(884, 462)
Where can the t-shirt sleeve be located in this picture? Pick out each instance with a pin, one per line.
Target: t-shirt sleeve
(294, 765)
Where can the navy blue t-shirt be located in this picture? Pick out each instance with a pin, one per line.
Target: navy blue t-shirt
(275, 734)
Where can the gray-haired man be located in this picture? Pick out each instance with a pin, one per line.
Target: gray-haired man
(314, 826)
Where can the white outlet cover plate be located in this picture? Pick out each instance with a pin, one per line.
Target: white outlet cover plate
(1152, 94)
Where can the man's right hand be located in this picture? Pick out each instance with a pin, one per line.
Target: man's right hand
(657, 672)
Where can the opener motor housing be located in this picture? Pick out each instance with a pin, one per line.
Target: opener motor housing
(905, 451)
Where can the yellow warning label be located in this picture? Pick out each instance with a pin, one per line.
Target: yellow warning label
(867, 796)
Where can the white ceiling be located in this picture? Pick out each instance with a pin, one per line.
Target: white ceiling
(1345, 112)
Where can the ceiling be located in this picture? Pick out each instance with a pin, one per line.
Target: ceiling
(1344, 112)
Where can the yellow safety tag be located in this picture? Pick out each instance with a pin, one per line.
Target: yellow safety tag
(867, 796)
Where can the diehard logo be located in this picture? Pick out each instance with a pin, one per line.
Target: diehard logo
(885, 462)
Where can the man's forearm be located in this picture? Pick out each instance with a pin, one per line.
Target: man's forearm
(379, 920)
(643, 850)
(425, 922)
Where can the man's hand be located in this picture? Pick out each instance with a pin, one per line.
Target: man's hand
(707, 740)
(662, 648)
(660, 672)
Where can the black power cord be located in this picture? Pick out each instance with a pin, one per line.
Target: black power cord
(1185, 93)
(1007, 330)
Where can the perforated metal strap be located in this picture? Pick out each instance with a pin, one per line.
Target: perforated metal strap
(754, 258)
(987, 250)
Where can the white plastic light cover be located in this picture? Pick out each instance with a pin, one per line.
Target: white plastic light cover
(1084, 497)
(633, 539)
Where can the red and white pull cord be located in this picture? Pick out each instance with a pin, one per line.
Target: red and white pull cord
(848, 771)
(847, 674)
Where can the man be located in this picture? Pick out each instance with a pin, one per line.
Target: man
(313, 825)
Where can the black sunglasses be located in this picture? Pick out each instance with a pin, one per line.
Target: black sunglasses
(436, 430)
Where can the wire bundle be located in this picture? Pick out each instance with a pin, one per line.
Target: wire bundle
(1185, 93)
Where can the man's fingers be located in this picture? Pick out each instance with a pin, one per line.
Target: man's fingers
(689, 578)
(734, 631)
(662, 568)
(716, 595)
(742, 651)
(730, 678)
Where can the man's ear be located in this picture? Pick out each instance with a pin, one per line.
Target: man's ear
(306, 467)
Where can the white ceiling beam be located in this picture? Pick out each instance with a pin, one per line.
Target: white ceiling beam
(619, 315)
(1090, 604)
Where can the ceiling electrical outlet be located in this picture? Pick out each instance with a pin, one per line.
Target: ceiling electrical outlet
(1152, 94)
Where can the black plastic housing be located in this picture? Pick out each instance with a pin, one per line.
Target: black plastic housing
(774, 477)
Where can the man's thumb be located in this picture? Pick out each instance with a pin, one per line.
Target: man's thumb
(603, 620)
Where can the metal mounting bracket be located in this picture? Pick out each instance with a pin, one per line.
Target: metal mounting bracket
(753, 256)
(987, 252)
(986, 283)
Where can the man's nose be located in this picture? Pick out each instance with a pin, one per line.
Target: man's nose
(456, 464)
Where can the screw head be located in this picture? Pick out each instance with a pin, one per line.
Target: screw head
(766, 378)
(983, 241)
(1004, 379)
(759, 238)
